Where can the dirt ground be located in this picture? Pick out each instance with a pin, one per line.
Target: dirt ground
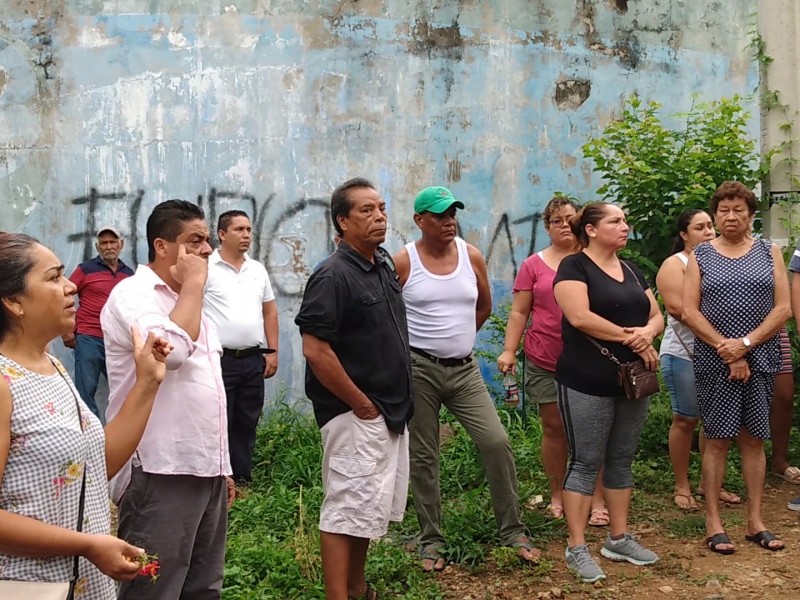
(687, 569)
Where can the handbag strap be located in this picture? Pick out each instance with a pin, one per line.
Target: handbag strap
(682, 343)
(82, 504)
(603, 350)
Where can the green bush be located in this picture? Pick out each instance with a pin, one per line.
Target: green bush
(656, 172)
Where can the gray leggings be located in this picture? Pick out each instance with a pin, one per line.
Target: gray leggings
(602, 432)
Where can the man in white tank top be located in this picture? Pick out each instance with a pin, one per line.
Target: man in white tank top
(447, 296)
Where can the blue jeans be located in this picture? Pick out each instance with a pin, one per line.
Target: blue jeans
(90, 362)
(678, 374)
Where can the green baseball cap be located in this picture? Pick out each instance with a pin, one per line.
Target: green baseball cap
(435, 200)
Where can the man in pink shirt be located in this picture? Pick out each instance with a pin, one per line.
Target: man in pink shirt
(174, 493)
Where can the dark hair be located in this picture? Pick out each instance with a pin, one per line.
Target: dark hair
(590, 214)
(225, 218)
(16, 261)
(166, 222)
(728, 190)
(555, 203)
(340, 203)
(684, 220)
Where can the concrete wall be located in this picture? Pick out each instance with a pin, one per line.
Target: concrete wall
(107, 108)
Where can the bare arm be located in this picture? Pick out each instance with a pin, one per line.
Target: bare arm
(483, 307)
(669, 282)
(796, 296)
(269, 311)
(124, 432)
(517, 319)
(402, 264)
(573, 298)
(322, 360)
(29, 537)
(692, 317)
(781, 311)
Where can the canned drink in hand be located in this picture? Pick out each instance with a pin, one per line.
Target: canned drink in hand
(512, 389)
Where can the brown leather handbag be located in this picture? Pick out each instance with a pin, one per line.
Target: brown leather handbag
(636, 379)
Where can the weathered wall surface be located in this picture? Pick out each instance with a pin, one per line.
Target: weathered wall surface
(107, 108)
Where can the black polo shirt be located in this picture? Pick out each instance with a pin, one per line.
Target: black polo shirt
(357, 307)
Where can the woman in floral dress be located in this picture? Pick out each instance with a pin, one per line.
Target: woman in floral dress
(50, 441)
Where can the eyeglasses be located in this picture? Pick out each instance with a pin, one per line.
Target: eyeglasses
(557, 222)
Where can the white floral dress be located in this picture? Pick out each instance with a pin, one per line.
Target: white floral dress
(43, 474)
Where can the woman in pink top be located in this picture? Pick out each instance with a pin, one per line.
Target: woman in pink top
(533, 297)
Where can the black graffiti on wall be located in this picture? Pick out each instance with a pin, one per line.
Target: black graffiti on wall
(502, 235)
(92, 202)
(287, 240)
(280, 243)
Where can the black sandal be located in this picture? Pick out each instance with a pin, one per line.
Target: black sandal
(718, 539)
(763, 538)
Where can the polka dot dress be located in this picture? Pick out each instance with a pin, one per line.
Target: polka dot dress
(736, 294)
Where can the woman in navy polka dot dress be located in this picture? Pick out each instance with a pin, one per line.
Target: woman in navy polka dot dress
(736, 299)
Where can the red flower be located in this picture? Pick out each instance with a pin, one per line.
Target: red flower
(149, 566)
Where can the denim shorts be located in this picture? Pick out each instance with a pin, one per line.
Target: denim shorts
(678, 376)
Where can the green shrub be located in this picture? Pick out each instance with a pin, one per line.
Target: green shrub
(657, 171)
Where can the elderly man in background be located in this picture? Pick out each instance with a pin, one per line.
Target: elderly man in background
(95, 278)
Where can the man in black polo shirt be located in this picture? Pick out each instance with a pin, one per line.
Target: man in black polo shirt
(355, 340)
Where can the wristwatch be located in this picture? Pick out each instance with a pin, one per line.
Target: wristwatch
(746, 341)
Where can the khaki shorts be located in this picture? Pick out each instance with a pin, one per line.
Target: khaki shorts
(364, 475)
(540, 384)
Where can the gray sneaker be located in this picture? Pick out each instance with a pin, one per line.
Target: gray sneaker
(580, 562)
(628, 549)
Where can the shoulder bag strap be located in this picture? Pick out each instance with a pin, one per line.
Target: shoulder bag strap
(603, 350)
(82, 504)
(682, 343)
(627, 266)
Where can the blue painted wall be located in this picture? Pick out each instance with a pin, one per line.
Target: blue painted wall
(268, 105)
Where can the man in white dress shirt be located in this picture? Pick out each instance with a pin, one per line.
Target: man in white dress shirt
(240, 302)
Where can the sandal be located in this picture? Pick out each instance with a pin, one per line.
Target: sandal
(556, 510)
(790, 475)
(718, 539)
(687, 504)
(764, 538)
(599, 517)
(523, 543)
(369, 594)
(431, 553)
(724, 496)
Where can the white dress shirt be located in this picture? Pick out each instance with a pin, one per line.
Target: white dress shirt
(187, 433)
(234, 301)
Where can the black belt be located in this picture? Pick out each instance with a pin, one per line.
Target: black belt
(245, 352)
(445, 362)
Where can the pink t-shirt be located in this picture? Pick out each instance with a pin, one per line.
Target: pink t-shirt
(543, 338)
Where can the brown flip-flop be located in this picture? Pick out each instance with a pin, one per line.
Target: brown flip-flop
(690, 505)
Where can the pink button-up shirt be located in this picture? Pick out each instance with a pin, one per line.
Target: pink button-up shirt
(187, 433)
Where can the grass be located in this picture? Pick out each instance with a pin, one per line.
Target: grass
(273, 541)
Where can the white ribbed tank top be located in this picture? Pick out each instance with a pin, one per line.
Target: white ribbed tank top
(440, 309)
